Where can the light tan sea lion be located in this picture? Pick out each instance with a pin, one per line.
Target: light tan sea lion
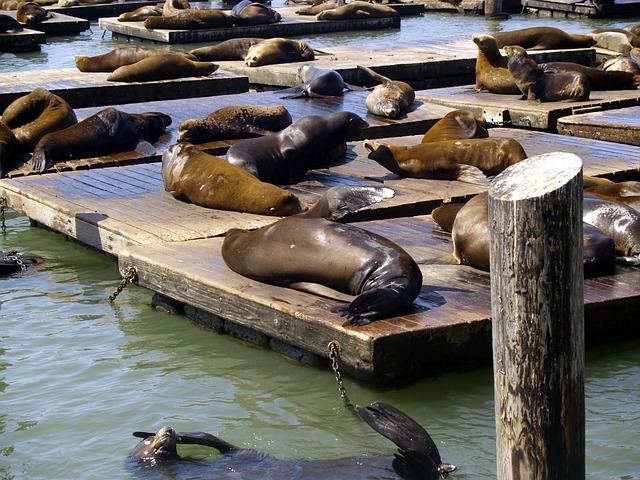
(232, 49)
(141, 14)
(356, 10)
(624, 63)
(317, 7)
(457, 125)
(390, 98)
(30, 13)
(278, 50)
(162, 67)
(492, 73)
(191, 19)
(614, 41)
(119, 57)
(543, 38)
(212, 182)
(247, 13)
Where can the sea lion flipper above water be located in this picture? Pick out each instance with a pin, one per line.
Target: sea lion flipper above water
(192, 438)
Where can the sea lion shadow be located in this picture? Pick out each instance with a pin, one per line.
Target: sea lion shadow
(432, 296)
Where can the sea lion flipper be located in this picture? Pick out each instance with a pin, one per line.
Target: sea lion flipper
(145, 148)
(355, 88)
(369, 305)
(206, 439)
(339, 201)
(321, 290)
(415, 465)
(471, 174)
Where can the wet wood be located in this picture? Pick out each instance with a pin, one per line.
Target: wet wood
(24, 40)
(579, 8)
(621, 125)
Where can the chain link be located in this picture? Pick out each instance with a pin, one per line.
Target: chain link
(128, 278)
(13, 255)
(3, 204)
(334, 353)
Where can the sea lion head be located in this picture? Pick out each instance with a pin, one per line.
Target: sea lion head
(159, 448)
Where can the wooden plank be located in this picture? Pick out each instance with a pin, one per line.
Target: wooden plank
(621, 125)
(588, 9)
(511, 111)
(24, 40)
(86, 89)
(93, 12)
(59, 24)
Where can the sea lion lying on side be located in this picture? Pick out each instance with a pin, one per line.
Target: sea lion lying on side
(543, 38)
(390, 98)
(318, 83)
(457, 125)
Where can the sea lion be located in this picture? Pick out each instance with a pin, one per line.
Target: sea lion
(173, 7)
(309, 252)
(457, 125)
(30, 13)
(247, 13)
(285, 157)
(624, 63)
(211, 182)
(614, 41)
(537, 86)
(356, 10)
(417, 457)
(318, 83)
(390, 98)
(598, 79)
(119, 57)
(634, 39)
(9, 24)
(634, 28)
(162, 67)
(466, 160)
(492, 73)
(543, 38)
(627, 192)
(9, 150)
(318, 6)
(190, 19)
(278, 50)
(235, 121)
(232, 49)
(34, 115)
(141, 14)
(108, 131)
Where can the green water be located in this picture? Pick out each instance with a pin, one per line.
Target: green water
(78, 375)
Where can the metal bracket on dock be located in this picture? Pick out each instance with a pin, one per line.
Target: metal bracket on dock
(496, 117)
(586, 109)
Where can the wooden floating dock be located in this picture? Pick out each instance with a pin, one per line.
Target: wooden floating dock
(621, 125)
(24, 40)
(86, 89)
(575, 8)
(59, 24)
(290, 25)
(93, 12)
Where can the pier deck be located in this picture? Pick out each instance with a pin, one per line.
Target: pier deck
(25, 40)
(621, 125)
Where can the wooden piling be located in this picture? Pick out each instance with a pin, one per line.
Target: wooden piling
(535, 218)
(492, 7)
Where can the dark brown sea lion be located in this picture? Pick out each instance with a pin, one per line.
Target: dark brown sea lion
(285, 157)
(9, 24)
(634, 28)
(311, 253)
(537, 86)
(119, 57)
(467, 160)
(211, 182)
(417, 458)
(492, 73)
(543, 38)
(30, 13)
(232, 49)
(108, 131)
(34, 115)
(162, 67)
(356, 10)
(598, 79)
(317, 7)
(278, 50)
(457, 125)
(191, 19)
(235, 121)
(9, 150)
(141, 14)
(390, 98)
(624, 63)
(318, 83)
(173, 7)
(247, 13)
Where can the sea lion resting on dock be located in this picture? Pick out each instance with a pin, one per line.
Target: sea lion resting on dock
(119, 57)
(247, 13)
(108, 131)
(467, 160)
(538, 86)
(614, 41)
(141, 14)
(211, 182)
(457, 125)
(390, 98)
(235, 121)
(173, 7)
(492, 73)
(278, 50)
(357, 10)
(311, 142)
(10, 150)
(30, 13)
(34, 115)
(598, 79)
(318, 83)
(622, 192)
(418, 455)
(624, 63)
(162, 67)
(232, 49)
(543, 38)
(9, 24)
(311, 253)
(190, 19)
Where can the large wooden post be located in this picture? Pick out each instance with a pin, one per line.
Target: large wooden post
(535, 219)
(492, 7)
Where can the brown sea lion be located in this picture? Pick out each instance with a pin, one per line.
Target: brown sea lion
(108, 131)
(10, 150)
(211, 182)
(278, 50)
(9, 24)
(537, 86)
(173, 7)
(467, 160)
(34, 115)
(119, 57)
(247, 13)
(543, 38)
(317, 7)
(141, 14)
(634, 28)
(622, 192)
(390, 98)
(634, 39)
(311, 253)
(457, 125)
(235, 121)
(285, 157)
(162, 67)
(30, 13)
(492, 73)
(598, 79)
(318, 83)
(614, 41)
(232, 49)
(624, 63)
(191, 19)
(356, 10)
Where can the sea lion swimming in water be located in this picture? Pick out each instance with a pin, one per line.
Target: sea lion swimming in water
(417, 457)
(312, 253)
(390, 98)
(318, 83)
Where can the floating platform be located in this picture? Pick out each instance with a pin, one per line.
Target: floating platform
(509, 110)
(87, 89)
(93, 12)
(575, 8)
(59, 24)
(25, 40)
(621, 125)
(290, 25)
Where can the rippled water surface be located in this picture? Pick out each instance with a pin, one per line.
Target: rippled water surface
(78, 375)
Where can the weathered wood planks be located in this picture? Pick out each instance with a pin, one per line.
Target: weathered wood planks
(621, 125)
(25, 40)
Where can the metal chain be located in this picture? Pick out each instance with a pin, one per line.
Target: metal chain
(3, 204)
(334, 353)
(128, 278)
(13, 255)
